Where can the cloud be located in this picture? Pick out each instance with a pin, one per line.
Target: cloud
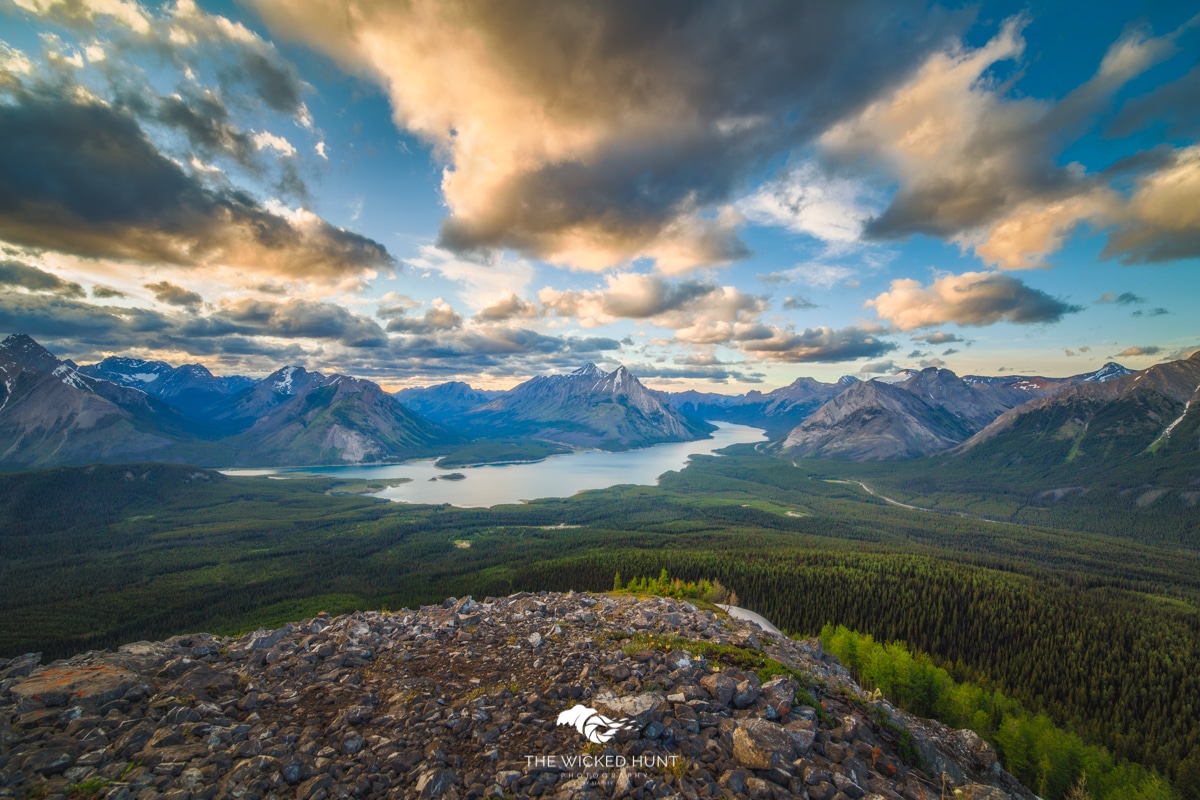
(805, 200)
(977, 163)
(798, 303)
(86, 14)
(933, 362)
(688, 305)
(482, 281)
(291, 319)
(171, 294)
(1122, 299)
(83, 178)
(1170, 105)
(937, 337)
(878, 367)
(816, 345)
(204, 119)
(32, 279)
(949, 351)
(972, 298)
(820, 276)
(508, 306)
(1161, 221)
(439, 317)
(1144, 350)
(595, 135)
(713, 374)
(265, 139)
(106, 292)
(1154, 312)
(917, 354)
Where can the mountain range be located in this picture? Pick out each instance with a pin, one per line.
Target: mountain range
(54, 412)
(1094, 425)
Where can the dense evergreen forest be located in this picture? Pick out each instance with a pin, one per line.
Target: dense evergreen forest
(1100, 632)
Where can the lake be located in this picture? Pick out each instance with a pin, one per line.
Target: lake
(557, 476)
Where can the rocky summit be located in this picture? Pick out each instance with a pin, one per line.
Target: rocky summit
(547, 695)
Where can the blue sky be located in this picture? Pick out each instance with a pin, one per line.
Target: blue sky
(721, 198)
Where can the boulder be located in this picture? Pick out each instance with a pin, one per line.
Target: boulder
(759, 744)
(88, 686)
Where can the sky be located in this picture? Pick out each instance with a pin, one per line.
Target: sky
(720, 196)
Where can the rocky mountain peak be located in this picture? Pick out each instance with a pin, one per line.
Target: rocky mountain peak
(588, 370)
(560, 695)
(1109, 372)
(22, 352)
(287, 379)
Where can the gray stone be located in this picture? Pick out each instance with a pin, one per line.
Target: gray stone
(759, 744)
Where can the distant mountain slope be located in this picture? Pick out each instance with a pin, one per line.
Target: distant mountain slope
(190, 388)
(295, 417)
(975, 405)
(875, 421)
(445, 402)
(778, 411)
(918, 413)
(1094, 425)
(51, 414)
(587, 408)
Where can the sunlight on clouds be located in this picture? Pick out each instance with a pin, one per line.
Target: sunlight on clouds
(1036, 229)
(972, 298)
(128, 13)
(266, 139)
(1162, 219)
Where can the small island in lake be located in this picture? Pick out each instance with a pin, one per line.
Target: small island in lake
(478, 454)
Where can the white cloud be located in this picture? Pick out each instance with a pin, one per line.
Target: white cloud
(481, 283)
(266, 139)
(805, 200)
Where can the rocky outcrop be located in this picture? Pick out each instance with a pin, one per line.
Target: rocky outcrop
(468, 700)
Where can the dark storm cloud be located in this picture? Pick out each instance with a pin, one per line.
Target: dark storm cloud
(14, 273)
(595, 133)
(83, 178)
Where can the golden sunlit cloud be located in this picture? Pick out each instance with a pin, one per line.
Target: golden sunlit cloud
(972, 298)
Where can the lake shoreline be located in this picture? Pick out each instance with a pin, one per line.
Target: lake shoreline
(555, 475)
